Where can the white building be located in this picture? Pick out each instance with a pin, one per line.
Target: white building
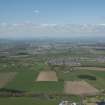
(67, 103)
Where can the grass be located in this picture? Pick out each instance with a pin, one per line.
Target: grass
(50, 87)
(38, 101)
(23, 81)
(55, 100)
(25, 75)
(74, 75)
(19, 66)
(26, 101)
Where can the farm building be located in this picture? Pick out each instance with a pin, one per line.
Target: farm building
(67, 103)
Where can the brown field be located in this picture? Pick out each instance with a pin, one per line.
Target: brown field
(47, 76)
(79, 88)
(90, 68)
(5, 78)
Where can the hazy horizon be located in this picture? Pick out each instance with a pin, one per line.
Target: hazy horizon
(52, 18)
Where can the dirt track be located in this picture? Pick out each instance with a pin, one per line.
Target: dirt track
(47, 76)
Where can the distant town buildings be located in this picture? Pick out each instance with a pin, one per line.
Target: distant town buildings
(64, 61)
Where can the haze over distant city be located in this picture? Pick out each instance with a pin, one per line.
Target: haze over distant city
(51, 18)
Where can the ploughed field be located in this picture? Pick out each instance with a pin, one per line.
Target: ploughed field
(47, 76)
(79, 88)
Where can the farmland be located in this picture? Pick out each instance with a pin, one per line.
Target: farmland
(44, 70)
(6, 77)
(79, 88)
(47, 76)
(26, 101)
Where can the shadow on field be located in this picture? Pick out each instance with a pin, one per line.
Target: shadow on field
(10, 90)
(10, 93)
(88, 77)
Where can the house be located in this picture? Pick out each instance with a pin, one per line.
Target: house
(64, 103)
(67, 103)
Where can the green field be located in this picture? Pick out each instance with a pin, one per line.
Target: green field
(27, 101)
(48, 87)
(25, 79)
(74, 75)
(27, 70)
(55, 100)
(28, 62)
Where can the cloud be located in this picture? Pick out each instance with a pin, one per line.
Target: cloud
(31, 29)
(48, 25)
(102, 24)
(3, 24)
(36, 11)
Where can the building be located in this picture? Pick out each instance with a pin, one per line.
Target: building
(67, 103)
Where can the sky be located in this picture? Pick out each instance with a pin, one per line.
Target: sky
(29, 18)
